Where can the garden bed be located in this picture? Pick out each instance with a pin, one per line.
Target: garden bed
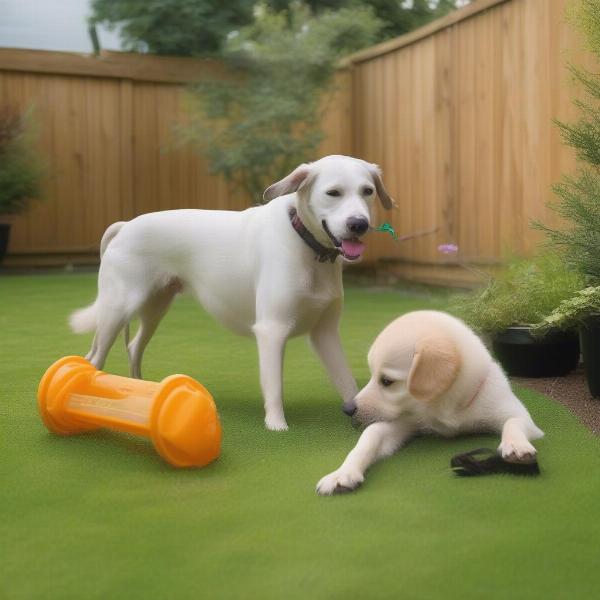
(572, 391)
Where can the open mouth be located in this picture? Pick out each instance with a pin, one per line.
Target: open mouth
(352, 248)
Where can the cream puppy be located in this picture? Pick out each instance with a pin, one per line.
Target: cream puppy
(430, 374)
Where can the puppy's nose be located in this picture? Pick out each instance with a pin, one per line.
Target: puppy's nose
(349, 407)
(357, 225)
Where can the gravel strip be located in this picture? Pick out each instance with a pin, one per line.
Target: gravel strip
(571, 391)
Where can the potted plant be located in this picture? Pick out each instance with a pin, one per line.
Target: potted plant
(581, 310)
(521, 295)
(20, 170)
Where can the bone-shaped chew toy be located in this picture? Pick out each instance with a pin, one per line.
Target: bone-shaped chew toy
(177, 414)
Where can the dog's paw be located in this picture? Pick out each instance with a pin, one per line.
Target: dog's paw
(517, 452)
(276, 423)
(339, 481)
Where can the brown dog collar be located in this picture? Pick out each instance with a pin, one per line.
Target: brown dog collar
(323, 254)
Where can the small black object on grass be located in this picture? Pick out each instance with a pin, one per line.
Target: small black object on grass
(484, 461)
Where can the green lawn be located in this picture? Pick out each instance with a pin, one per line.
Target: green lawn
(101, 516)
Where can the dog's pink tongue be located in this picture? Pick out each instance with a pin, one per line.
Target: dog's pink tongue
(352, 248)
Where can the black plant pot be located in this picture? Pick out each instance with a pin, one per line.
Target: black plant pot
(522, 355)
(590, 347)
(4, 237)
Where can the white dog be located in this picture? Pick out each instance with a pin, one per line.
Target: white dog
(274, 271)
(430, 374)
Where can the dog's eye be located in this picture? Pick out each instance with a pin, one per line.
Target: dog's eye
(368, 191)
(333, 193)
(385, 382)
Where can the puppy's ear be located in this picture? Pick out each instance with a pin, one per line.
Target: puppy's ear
(290, 183)
(384, 197)
(434, 368)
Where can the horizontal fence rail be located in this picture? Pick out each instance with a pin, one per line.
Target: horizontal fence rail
(458, 114)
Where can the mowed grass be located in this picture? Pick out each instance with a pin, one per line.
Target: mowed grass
(101, 516)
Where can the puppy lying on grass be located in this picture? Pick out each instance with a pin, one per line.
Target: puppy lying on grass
(430, 374)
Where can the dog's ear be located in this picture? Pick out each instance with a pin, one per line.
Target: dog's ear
(290, 183)
(384, 197)
(434, 368)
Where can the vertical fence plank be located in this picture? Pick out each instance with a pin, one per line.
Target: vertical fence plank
(126, 150)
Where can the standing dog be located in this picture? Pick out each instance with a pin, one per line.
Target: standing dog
(274, 271)
(430, 374)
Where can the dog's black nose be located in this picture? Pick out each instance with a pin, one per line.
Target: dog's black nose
(357, 225)
(349, 407)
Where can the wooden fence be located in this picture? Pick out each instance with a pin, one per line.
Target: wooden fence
(458, 114)
(106, 131)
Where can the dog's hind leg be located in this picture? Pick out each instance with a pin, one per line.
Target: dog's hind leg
(109, 326)
(151, 313)
(93, 349)
(113, 312)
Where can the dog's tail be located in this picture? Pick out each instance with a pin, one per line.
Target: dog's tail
(84, 319)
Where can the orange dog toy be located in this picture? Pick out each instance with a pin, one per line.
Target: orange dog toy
(178, 414)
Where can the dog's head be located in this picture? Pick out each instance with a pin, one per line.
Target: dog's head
(412, 364)
(335, 200)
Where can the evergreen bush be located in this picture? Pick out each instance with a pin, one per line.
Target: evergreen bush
(579, 194)
(20, 166)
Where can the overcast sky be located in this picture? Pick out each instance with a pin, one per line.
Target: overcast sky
(50, 25)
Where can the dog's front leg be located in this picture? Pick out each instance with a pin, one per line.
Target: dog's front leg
(515, 445)
(325, 339)
(271, 338)
(377, 441)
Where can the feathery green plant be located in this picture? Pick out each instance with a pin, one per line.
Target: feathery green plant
(524, 292)
(579, 194)
(572, 311)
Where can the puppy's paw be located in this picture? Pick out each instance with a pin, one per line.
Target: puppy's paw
(339, 481)
(517, 452)
(276, 423)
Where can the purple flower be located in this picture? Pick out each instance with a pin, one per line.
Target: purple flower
(448, 248)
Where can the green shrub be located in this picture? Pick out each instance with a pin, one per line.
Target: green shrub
(525, 292)
(20, 167)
